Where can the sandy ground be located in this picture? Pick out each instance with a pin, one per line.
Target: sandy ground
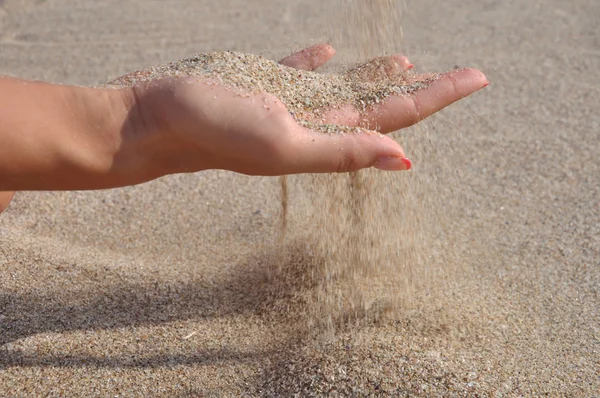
(157, 290)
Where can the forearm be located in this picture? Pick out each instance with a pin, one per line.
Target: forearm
(55, 137)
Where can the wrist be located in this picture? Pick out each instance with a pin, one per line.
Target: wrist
(107, 147)
(57, 137)
(149, 149)
(131, 152)
(159, 118)
(124, 144)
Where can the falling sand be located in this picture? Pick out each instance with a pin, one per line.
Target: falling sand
(379, 253)
(375, 231)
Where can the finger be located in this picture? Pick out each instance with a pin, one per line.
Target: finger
(5, 198)
(317, 152)
(403, 61)
(380, 68)
(397, 112)
(310, 58)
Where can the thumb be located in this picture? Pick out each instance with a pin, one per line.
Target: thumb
(350, 149)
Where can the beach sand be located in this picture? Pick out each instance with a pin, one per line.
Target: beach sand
(164, 289)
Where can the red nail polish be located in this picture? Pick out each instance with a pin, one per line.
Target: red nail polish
(408, 163)
(486, 84)
(410, 66)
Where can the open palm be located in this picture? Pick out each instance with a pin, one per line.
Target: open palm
(215, 128)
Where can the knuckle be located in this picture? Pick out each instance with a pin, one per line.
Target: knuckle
(415, 115)
(349, 159)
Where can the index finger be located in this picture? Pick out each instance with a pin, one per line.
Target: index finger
(398, 112)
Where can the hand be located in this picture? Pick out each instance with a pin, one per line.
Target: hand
(206, 126)
(179, 125)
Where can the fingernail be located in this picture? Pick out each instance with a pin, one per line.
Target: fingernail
(391, 163)
(410, 66)
(486, 84)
